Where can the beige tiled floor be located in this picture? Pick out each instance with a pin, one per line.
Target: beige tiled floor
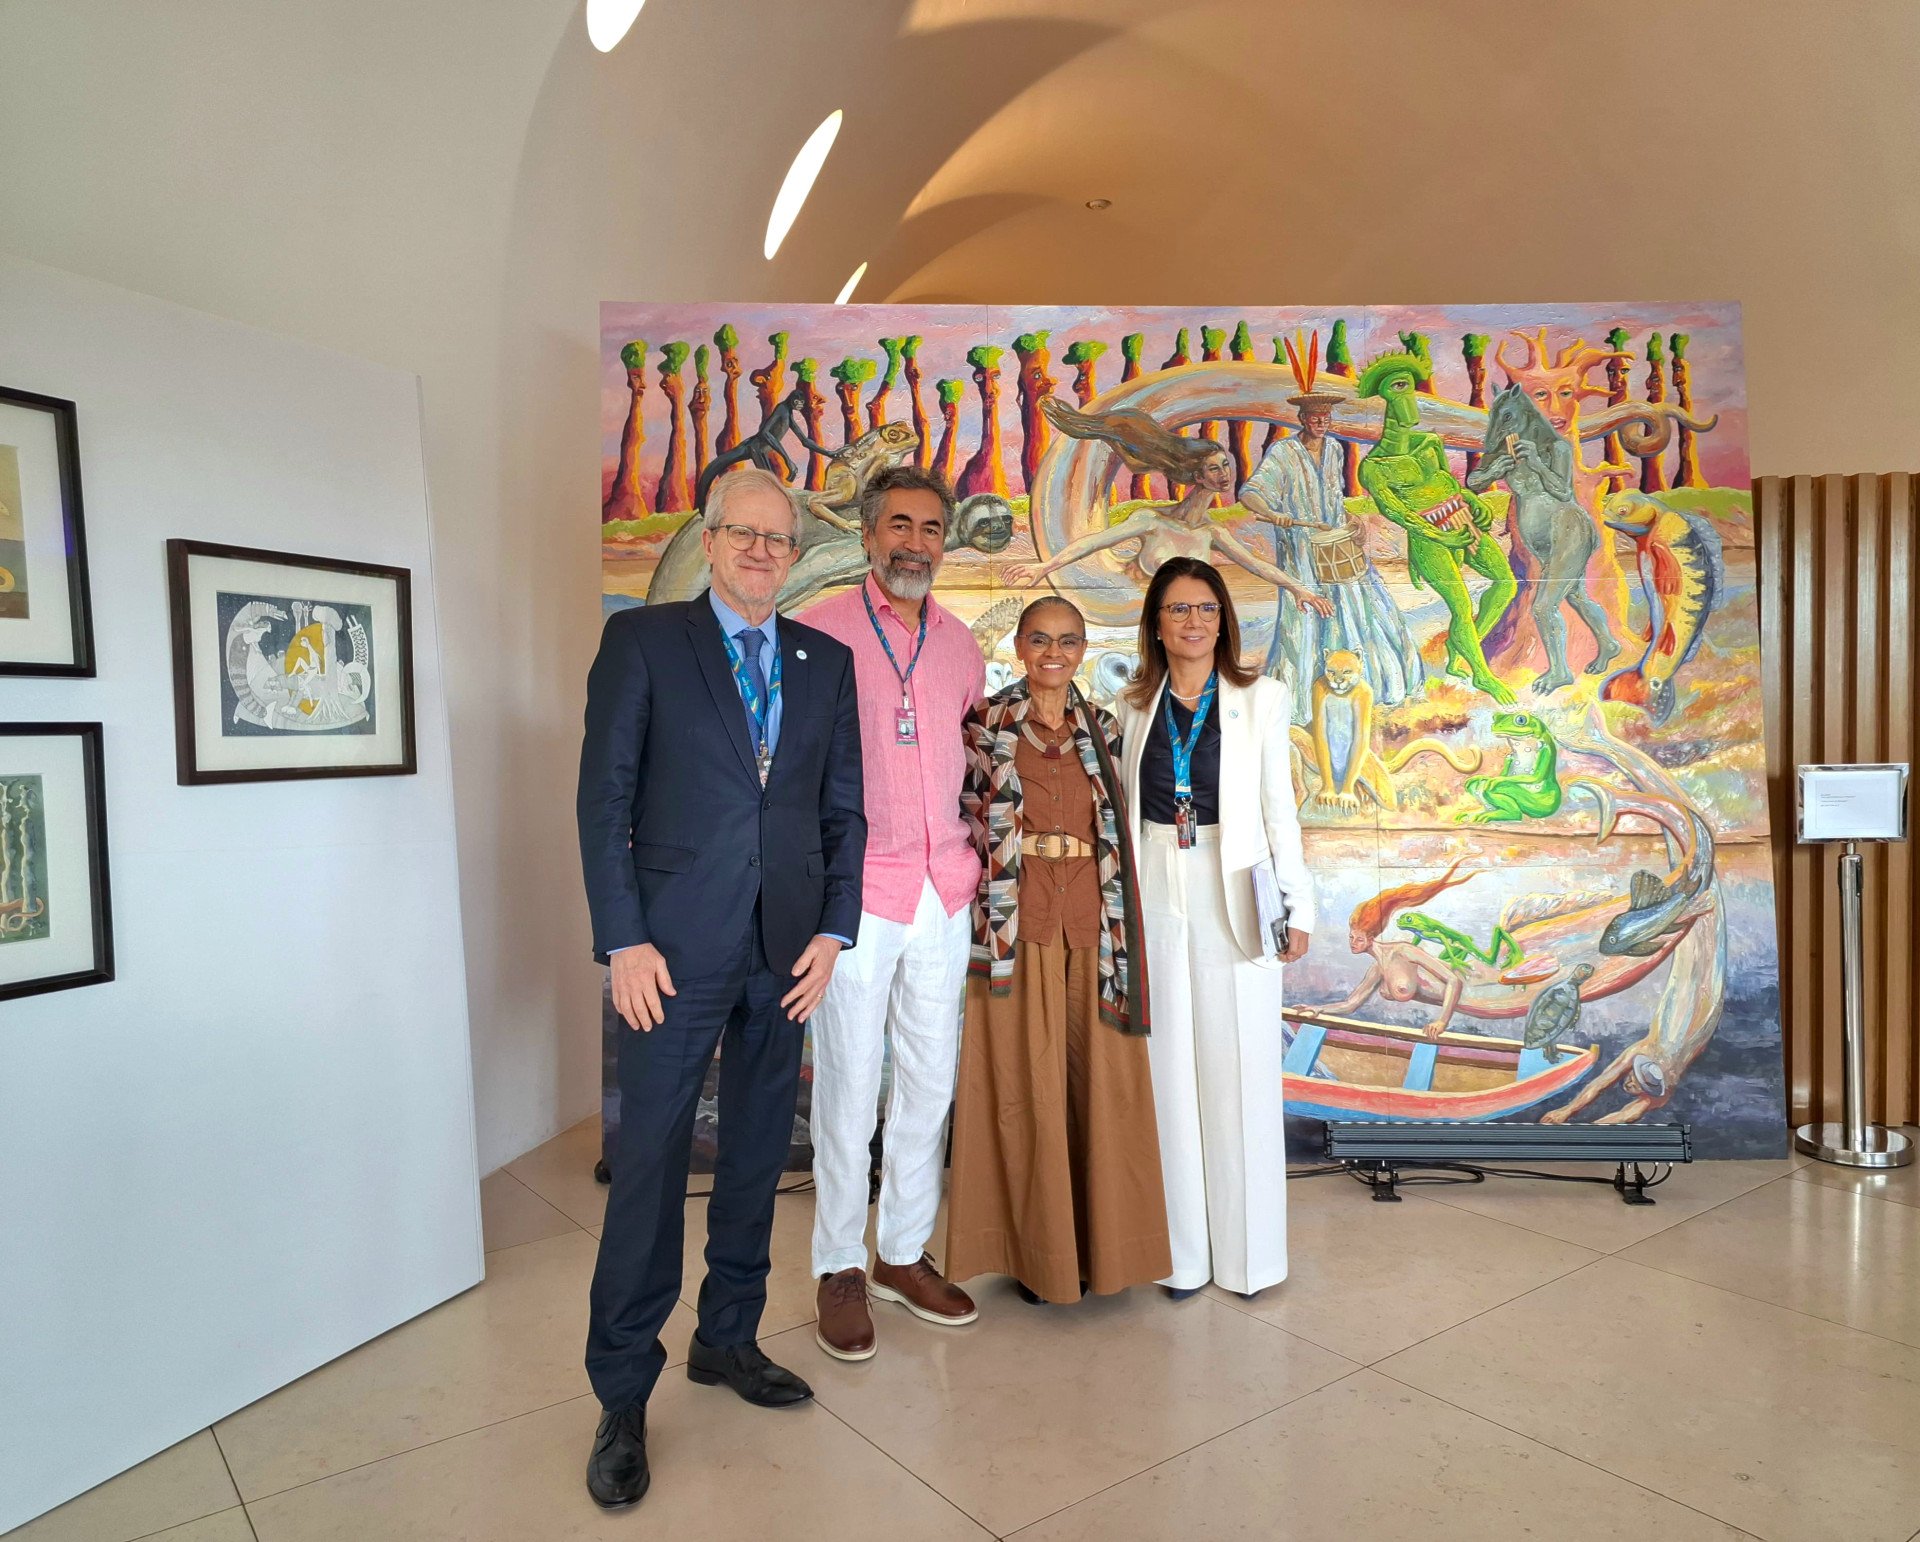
(1503, 1361)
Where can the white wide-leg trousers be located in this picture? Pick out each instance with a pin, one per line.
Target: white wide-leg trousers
(1216, 1051)
(901, 982)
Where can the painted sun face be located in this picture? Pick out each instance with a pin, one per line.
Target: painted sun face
(1557, 403)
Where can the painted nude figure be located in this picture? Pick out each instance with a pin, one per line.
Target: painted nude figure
(1186, 528)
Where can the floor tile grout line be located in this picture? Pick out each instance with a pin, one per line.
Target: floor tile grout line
(148, 1536)
(424, 1445)
(1587, 1462)
(1841, 1188)
(539, 1196)
(215, 1433)
(1614, 1252)
(1831, 1322)
(888, 1456)
(1485, 1311)
(1358, 1369)
(1303, 1337)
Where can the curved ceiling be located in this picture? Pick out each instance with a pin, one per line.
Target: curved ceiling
(1265, 151)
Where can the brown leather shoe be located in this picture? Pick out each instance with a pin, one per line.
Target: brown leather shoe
(844, 1326)
(922, 1290)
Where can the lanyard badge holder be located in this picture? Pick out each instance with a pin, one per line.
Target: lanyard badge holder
(905, 728)
(761, 711)
(1186, 819)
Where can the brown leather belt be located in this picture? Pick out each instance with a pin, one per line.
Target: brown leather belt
(1054, 847)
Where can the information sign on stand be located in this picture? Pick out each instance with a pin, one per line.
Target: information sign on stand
(1852, 804)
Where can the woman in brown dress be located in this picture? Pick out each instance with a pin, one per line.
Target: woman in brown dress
(1056, 1160)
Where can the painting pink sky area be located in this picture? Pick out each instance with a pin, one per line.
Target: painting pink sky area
(829, 334)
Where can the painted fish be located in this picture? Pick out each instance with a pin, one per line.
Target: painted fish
(1655, 908)
(1683, 577)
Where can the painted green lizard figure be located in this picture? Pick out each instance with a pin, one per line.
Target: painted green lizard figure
(1457, 949)
(1533, 793)
(1407, 476)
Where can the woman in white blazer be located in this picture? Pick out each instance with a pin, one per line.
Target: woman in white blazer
(1206, 765)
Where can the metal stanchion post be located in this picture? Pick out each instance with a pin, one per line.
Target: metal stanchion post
(1854, 1142)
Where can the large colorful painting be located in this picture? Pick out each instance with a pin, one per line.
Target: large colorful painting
(1503, 556)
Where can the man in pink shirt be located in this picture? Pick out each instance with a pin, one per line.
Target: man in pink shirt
(918, 672)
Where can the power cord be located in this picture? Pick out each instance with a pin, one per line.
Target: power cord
(1416, 1173)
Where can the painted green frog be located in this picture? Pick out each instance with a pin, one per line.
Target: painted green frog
(1523, 789)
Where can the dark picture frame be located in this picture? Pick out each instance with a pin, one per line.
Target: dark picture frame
(66, 433)
(191, 761)
(92, 770)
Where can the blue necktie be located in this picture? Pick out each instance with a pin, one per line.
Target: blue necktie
(750, 642)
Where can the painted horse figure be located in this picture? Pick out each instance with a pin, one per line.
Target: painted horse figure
(1523, 450)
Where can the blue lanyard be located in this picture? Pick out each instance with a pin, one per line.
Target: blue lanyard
(760, 711)
(906, 696)
(1183, 751)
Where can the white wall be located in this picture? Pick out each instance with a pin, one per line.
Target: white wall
(253, 1149)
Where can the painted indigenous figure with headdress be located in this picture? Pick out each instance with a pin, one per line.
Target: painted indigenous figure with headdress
(1299, 489)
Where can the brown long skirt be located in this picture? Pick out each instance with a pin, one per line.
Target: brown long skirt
(1056, 1159)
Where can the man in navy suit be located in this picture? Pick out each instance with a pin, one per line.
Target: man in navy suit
(722, 835)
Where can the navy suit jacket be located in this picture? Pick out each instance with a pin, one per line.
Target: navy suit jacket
(677, 837)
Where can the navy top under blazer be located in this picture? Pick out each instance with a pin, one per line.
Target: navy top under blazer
(677, 837)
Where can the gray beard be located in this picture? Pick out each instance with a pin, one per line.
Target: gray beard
(908, 583)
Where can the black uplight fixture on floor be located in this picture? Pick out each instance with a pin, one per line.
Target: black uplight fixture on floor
(1381, 1154)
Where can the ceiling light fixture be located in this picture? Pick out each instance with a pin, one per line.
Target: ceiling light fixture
(853, 283)
(793, 192)
(609, 20)
(1099, 203)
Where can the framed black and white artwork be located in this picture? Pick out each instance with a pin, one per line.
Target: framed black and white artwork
(46, 625)
(56, 923)
(288, 666)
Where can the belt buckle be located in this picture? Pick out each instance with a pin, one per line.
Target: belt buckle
(1052, 846)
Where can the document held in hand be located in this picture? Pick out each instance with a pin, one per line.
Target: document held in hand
(1271, 907)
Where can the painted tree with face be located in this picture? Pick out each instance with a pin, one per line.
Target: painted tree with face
(676, 494)
(627, 498)
(728, 342)
(986, 471)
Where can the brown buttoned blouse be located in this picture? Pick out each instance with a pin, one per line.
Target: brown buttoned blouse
(1057, 895)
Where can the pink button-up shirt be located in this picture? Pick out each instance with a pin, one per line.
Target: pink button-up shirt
(914, 827)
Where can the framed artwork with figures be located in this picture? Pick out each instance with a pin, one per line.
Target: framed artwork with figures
(288, 667)
(46, 621)
(56, 927)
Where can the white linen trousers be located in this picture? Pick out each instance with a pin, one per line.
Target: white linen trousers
(902, 983)
(1216, 1044)
(1216, 1051)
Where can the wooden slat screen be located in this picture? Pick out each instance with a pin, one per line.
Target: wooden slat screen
(1840, 670)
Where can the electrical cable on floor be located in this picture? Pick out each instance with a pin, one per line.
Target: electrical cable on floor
(1430, 1173)
(1405, 1176)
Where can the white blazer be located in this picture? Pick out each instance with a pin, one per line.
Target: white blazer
(1258, 814)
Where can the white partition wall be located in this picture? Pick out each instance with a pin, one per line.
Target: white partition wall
(253, 1149)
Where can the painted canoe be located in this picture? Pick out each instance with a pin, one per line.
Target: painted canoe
(1346, 1068)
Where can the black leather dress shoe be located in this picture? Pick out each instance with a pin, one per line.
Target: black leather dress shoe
(617, 1474)
(749, 1372)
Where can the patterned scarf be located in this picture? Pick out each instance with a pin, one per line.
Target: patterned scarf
(991, 801)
